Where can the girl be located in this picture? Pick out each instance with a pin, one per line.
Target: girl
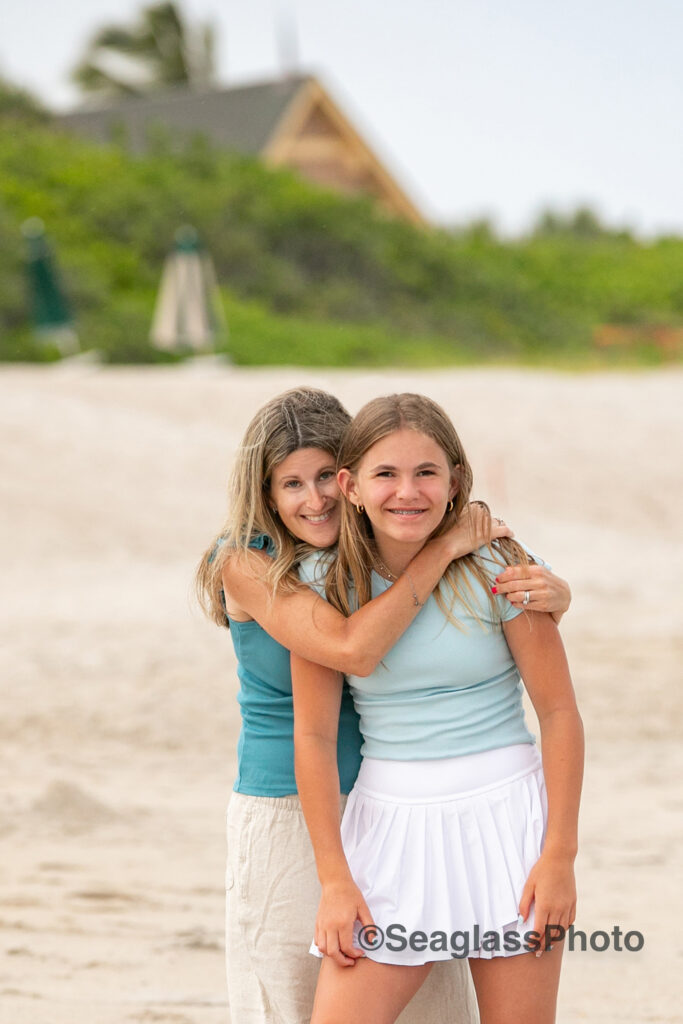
(284, 502)
(447, 835)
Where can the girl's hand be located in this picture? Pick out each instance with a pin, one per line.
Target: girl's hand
(341, 904)
(473, 530)
(547, 592)
(551, 885)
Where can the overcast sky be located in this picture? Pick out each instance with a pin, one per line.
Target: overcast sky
(479, 108)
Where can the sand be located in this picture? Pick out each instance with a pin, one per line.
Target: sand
(119, 715)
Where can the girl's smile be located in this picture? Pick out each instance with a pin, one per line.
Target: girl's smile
(404, 481)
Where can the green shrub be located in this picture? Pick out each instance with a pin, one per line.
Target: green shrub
(310, 277)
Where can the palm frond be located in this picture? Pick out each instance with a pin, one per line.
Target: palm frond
(93, 78)
(165, 49)
(121, 40)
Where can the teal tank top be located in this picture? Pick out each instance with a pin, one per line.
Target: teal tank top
(265, 749)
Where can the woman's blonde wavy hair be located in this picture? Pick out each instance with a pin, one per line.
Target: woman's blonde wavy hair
(357, 553)
(299, 418)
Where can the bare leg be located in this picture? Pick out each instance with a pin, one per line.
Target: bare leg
(446, 997)
(511, 989)
(367, 993)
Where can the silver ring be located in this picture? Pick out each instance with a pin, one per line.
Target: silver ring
(527, 597)
(501, 522)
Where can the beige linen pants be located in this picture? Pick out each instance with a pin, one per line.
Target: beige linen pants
(272, 894)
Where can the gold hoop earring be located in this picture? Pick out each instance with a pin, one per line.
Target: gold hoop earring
(360, 509)
(449, 506)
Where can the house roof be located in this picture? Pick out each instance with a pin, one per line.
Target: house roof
(262, 119)
(242, 118)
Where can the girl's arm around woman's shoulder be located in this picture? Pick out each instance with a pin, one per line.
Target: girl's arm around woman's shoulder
(317, 698)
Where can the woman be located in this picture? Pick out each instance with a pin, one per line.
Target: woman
(447, 835)
(285, 501)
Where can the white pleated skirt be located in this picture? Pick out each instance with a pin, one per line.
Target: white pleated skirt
(441, 851)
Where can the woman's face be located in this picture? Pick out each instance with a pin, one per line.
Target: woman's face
(305, 494)
(405, 482)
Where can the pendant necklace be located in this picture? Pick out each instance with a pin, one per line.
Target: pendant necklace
(384, 571)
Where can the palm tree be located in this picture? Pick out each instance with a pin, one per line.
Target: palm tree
(159, 50)
(20, 104)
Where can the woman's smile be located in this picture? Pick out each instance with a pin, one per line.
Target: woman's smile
(305, 495)
(322, 518)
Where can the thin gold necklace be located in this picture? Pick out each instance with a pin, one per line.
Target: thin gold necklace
(384, 571)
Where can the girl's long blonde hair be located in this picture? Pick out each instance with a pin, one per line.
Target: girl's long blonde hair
(357, 553)
(300, 418)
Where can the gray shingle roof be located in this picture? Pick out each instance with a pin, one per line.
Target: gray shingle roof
(241, 118)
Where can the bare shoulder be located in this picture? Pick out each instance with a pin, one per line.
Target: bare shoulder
(242, 566)
(243, 576)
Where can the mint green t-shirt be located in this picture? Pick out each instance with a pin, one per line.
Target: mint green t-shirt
(441, 691)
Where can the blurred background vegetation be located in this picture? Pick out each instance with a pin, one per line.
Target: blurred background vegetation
(310, 278)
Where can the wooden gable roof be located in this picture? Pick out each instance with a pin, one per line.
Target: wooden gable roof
(315, 137)
(290, 122)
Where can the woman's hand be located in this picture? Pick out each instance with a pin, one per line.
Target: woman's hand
(547, 592)
(341, 904)
(474, 528)
(551, 885)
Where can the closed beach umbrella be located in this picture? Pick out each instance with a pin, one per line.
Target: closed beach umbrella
(188, 312)
(50, 311)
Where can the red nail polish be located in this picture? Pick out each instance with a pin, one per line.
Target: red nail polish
(494, 590)
(497, 579)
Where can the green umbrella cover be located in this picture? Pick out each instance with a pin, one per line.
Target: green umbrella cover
(50, 312)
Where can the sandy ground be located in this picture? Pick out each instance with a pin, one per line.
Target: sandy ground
(119, 720)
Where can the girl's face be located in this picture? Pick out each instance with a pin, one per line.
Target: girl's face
(405, 482)
(305, 494)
